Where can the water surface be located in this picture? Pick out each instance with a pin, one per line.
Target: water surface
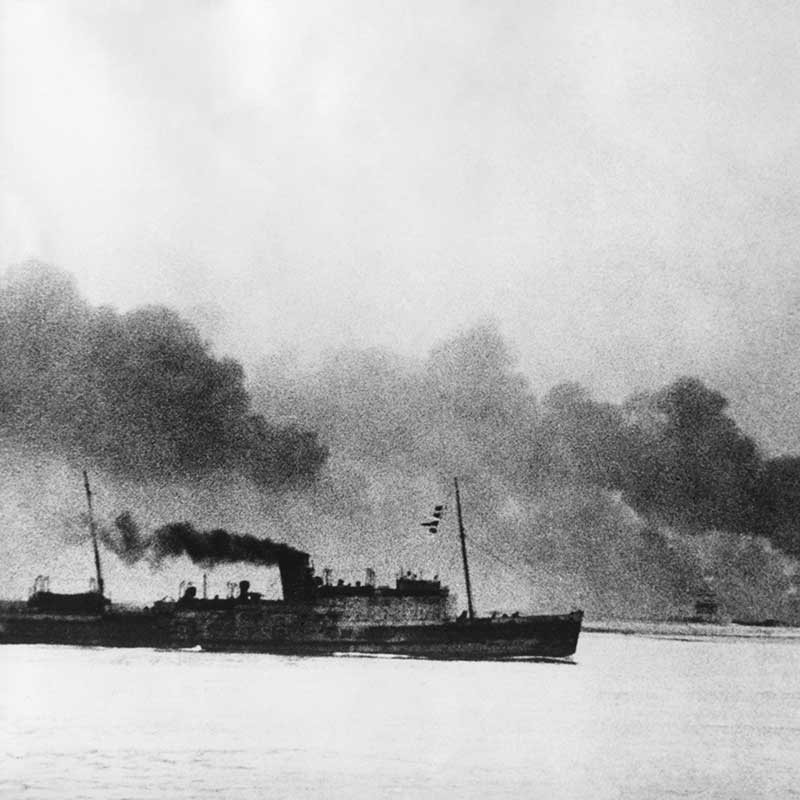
(634, 716)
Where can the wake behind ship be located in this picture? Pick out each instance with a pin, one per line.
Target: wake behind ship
(412, 618)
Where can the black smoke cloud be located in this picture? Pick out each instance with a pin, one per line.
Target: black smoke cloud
(676, 456)
(135, 394)
(206, 548)
(626, 507)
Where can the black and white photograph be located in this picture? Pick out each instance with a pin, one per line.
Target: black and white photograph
(399, 399)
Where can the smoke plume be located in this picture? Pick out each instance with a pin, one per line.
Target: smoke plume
(627, 509)
(624, 508)
(206, 548)
(676, 457)
(135, 394)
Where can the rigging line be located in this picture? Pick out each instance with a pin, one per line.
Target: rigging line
(514, 567)
(526, 577)
(486, 551)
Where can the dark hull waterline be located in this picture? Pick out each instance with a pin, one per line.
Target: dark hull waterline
(542, 636)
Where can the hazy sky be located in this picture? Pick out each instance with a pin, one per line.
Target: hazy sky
(616, 183)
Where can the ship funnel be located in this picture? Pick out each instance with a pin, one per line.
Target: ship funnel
(297, 580)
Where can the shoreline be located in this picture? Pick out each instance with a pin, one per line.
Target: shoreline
(696, 630)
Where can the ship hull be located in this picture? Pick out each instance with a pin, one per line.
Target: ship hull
(107, 630)
(541, 636)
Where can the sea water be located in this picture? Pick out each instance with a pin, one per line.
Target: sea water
(631, 717)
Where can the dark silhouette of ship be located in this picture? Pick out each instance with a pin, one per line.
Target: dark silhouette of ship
(412, 618)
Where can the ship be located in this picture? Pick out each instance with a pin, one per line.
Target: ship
(414, 618)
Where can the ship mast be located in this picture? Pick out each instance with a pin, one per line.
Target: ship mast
(93, 532)
(463, 537)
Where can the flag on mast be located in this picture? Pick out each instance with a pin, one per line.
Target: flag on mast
(433, 524)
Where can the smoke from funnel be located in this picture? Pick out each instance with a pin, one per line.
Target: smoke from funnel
(206, 548)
